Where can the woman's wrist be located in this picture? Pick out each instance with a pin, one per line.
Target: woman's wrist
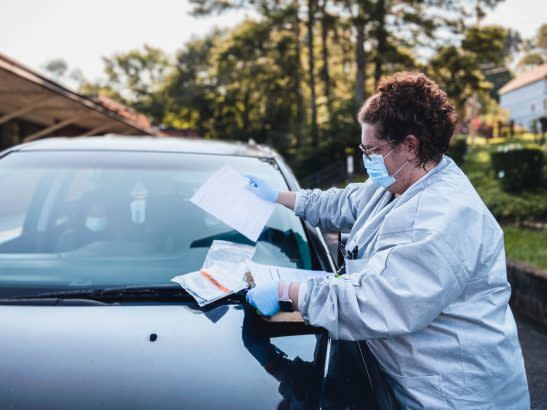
(287, 199)
(293, 294)
(294, 288)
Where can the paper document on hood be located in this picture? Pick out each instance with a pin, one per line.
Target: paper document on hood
(225, 197)
(265, 273)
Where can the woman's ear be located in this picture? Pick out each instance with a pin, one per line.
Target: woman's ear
(411, 145)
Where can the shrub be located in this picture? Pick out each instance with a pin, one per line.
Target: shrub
(457, 150)
(518, 168)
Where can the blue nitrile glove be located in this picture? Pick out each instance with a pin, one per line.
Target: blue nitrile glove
(265, 298)
(261, 188)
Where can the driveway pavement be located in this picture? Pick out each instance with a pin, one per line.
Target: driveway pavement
(533, 340)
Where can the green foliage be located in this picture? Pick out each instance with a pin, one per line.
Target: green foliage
(457, 149)
(526, 245)
(518, 168)
(295, 76)
(541, 37)
(531, 60)
(535, 49)
(505, 206)
(56, 67)
(59, 70)
(488, 43)
(529, 205)
(475, 68)
(458, 72)
(137, 76)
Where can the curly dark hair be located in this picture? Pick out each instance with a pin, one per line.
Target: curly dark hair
(411, 103)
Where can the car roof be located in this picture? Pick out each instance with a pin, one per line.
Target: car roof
(146, 143)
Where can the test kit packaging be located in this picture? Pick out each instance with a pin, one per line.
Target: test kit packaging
(223, 273)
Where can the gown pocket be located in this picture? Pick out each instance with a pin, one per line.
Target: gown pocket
(358, 269)
(416, 392)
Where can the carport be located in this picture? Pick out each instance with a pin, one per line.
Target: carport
(33, 106)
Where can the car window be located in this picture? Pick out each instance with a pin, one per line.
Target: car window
(96, 219)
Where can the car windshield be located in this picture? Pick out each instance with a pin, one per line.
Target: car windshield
(95, 219)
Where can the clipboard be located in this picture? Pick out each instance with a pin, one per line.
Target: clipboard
(285, 317)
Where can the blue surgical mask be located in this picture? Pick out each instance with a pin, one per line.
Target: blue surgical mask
(377, 171)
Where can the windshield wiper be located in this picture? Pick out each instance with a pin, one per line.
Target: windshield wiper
(30, 301)
(163, 291)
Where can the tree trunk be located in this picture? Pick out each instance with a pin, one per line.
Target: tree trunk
(360, 61)
(246, 110)
(300, 110)
(381, 41)
(325, 72)
(311, 68)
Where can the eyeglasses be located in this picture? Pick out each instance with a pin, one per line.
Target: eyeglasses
(369, 151)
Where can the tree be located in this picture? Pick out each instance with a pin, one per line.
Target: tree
(360, 20)
(541, 37)
(531, 60)
(59, 70)
(327, 22)
(311, 71)
(535, 49)
(298, 72)
(490, 44)
(492, 47)
(137, 77)
(475, 69)
(398, 27)
(281, 14)
(189, 89)
(458, 73)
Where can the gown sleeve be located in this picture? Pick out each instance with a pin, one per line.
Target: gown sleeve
(400, 290)
(331, 210)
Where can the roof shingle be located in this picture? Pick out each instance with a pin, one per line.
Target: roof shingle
(525, 78)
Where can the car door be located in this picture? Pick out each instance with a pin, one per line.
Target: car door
(349, 376)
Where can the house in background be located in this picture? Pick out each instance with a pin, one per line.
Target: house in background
(525, 97)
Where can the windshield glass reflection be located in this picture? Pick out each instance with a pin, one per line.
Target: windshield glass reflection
(101, 219)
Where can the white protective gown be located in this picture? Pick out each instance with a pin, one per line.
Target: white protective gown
(428, 291)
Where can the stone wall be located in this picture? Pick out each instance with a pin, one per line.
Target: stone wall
(529, 291)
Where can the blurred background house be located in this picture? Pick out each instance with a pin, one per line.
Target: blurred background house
(525, 97)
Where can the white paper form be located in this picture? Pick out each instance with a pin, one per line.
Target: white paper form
(266, 273)
(225, 197)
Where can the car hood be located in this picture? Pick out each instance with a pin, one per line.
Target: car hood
(151, 356)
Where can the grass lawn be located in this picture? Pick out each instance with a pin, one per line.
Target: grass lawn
(521, 244)
(526, 245)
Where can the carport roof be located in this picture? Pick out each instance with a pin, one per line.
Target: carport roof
(27, 95)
